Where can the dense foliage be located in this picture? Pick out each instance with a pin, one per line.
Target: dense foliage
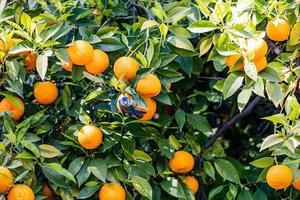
(228, 93)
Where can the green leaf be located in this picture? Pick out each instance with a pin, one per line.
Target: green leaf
(209, 169)
(202, 26)
(181, 43)
(149, 24)
(62, 171)
(215, 191)
(42, 65)
(142, 186)
(205, 45)
(243, 98)
(227, 170)
(295, 34)
(164, 98)
(174, 142)
(49, 151)
(270, 74)
(274, 92)
(76, 165)
(140, 155)
(277, 119)
(199, 123)
(263, 162)
(128, 145)
(260, 195)
(87, 192)
(98, 168)
(227, 50)
(180, 118)
(178, 13)
(165, 148)
(259, 87)
(62, 55)
(173, 187)
(25, 155)
(245, 194)
(232, 83)
(250, 70)
(271, 140)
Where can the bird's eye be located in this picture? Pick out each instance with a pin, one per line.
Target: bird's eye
(125, 101)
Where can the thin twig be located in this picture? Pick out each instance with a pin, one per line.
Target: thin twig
(221, 130)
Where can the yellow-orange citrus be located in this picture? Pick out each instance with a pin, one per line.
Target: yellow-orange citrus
(16, 111)
(90, 137)
(67, 66)
(47, 192)
(99, 62)
(182, 162)
(192, 183)
(30, 61)
(112, 191)
(278, 30)
(256, 48)
(260, 63)
(80, 52)
(148, 85)
(20, 192)
(125, 68)
(6, 179)
(279, 177)
(231, 60)
(45, 92)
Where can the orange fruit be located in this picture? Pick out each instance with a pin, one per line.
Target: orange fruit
(90, 137)
(279, 177)
(148, 85)
(99, 63)
(256, 48)
(6, 179)
(30, 61)
(125, 68)
(192, 183)
(231, 60)
(112, 191)
(182, 162)
(45, 92)
(47, 192)
(20, 192)
(16, 112)
(260, 63)
(67, 66)
(278, 30)
(80, 52)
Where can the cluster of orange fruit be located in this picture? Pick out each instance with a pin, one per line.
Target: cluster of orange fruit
(256, 49)
(29, 57)
(182, 163)
(45, 93)
(125, 69)
(281, 177)
(108, 191)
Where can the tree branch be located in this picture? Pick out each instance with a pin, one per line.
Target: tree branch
(221, 130)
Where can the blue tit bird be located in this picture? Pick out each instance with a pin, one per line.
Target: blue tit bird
(127, 105)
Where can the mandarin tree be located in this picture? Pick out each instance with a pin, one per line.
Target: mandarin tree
(149, 100)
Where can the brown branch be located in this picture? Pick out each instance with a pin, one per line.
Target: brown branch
(221, 130)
